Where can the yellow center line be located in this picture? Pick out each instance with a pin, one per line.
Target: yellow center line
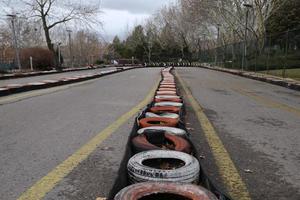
(48, 182)
(236, 187)
(268, 102)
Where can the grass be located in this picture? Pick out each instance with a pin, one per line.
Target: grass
(290, 73)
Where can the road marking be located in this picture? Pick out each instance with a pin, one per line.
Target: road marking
(48, 182)
(236, 187)
(268, 102)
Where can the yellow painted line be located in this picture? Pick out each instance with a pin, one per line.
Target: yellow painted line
(268, 102)
(48, 182)
(236, 187)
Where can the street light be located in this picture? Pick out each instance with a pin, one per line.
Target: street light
(218, 36)
(244, 61)
(13, 17)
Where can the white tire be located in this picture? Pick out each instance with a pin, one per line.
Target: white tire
(168, 103)
(167, 115)
(139, 172)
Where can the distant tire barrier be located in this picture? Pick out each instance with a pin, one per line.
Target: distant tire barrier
(159, 141)
(158, 121)
(167, 191)
(162, 109)
(163, 166)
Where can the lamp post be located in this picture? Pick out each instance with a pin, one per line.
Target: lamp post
(217, 49)
(13, 17)
(244, 60)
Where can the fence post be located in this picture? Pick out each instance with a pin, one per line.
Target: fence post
(31, 65)
(286, 52)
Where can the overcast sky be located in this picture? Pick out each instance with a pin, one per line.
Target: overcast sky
(119, 16)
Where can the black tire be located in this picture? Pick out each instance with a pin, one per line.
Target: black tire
(186, 173)
(170, 130)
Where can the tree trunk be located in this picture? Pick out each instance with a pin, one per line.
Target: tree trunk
(49, 43)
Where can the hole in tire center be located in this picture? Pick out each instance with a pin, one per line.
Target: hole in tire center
(164, 196)
(164, 163)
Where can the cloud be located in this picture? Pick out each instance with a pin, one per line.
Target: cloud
(135, 6)
(120, 22)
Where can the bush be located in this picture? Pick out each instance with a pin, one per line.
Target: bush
(42, 59)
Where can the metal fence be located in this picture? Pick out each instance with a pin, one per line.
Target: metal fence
(272, 52)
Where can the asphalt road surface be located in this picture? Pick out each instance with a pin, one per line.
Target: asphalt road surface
(38, 133)
(259, 125)
(51, 76)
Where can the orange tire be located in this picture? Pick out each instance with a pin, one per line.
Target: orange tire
(166, 93)
(167, 89)
(142, 143)
(158, 121)
(162, 109)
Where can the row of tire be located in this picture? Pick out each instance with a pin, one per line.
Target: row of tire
(163, 165)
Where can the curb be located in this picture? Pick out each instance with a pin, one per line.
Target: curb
(39, 73)
(18, 88)
(291, 84)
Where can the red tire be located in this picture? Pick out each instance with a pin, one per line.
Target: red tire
(167, 89)
(158, 121)
(162, 109)
(166, 93)
(171, 142)
(160, 190)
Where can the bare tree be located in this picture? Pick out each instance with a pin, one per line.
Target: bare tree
(52, 13)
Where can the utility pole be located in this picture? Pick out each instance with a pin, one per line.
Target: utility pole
(244, 60)
(59, 54)
(70, 47)
(17, 51)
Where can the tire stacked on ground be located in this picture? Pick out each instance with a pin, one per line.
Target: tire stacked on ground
(163, 166)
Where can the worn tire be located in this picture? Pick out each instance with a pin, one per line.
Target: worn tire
(167, 115)
(167, 99)
(166, 93)
(168, 103)
(162, 109)
(138, 172)
(170, 130)
(187, 191)
(158, 121)
(167, 89)
(144, 142)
